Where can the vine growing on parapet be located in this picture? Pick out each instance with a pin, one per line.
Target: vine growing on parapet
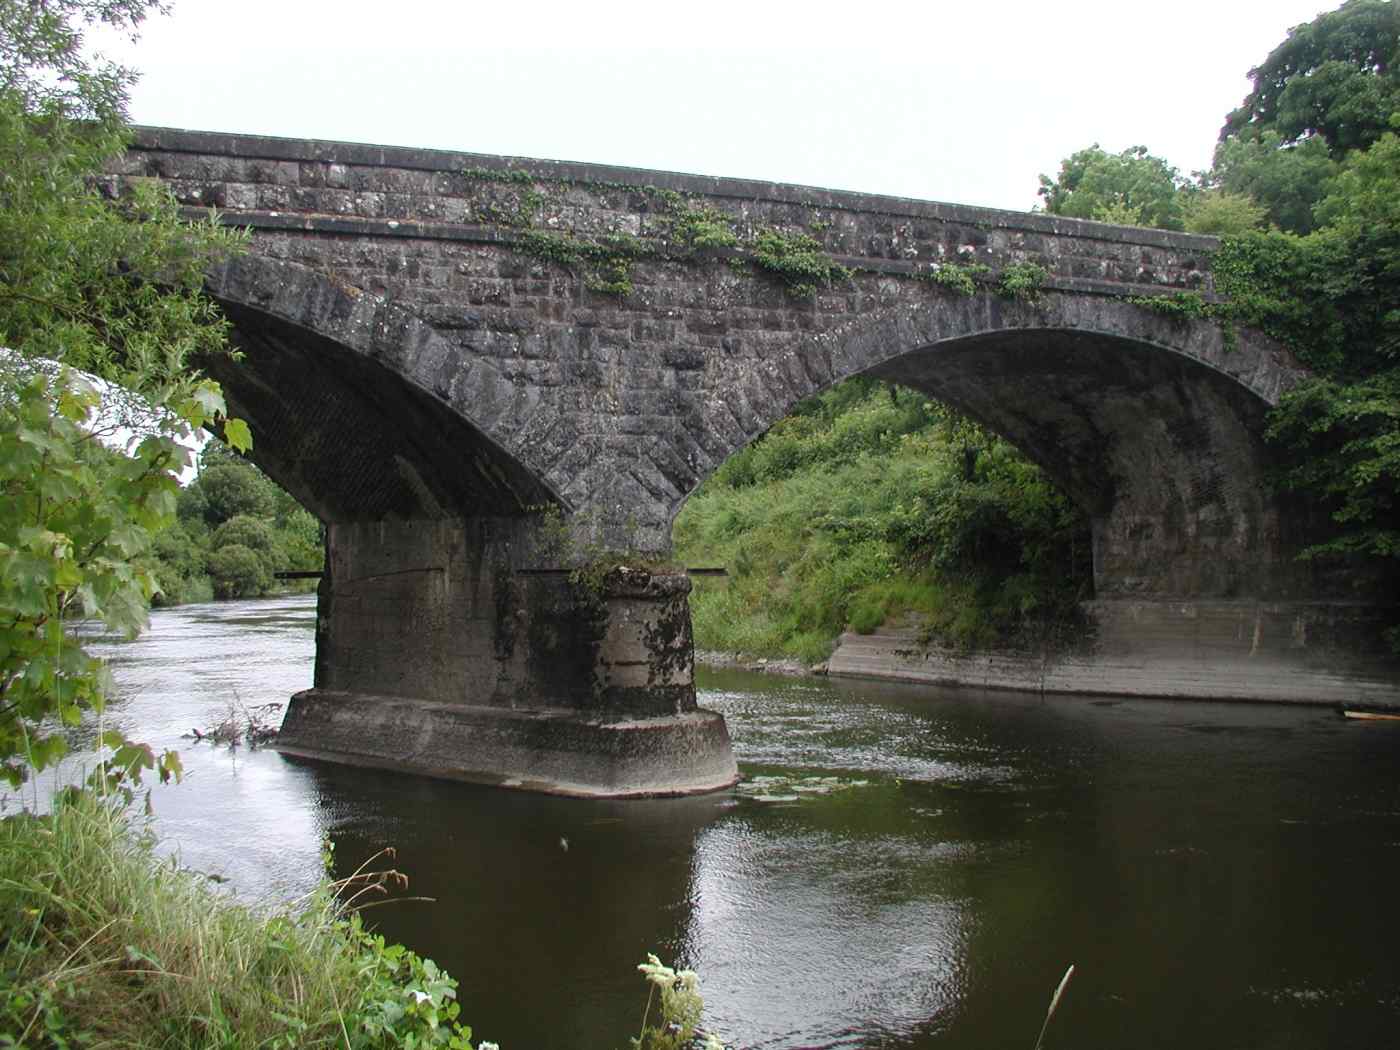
(1021, 280)
(1192, 306)
(960, 278)
(797, 260)
(688, 231)
(692, 231)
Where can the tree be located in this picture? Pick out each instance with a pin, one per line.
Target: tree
(1335, 78)
(233, 576)
(176, 563)
(1286, 179)
(113, 288)
(232, 488)
(238, 572)
(1222, 213)
(1131, 188)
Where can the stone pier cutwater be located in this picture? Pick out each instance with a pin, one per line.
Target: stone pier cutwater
(443, 650)
(440, 351)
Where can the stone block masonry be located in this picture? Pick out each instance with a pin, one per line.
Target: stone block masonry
(440, 651)
(452, 286)
(437, 346)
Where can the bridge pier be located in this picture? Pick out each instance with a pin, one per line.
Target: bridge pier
(446, 647)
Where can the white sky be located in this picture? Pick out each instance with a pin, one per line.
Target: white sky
(954, 101)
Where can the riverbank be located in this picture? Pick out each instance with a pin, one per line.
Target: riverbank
(1280, 652)
(763, 664)
(103, 943)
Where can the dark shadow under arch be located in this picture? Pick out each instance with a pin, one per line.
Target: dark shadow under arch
(328, 380)
(1153, 424)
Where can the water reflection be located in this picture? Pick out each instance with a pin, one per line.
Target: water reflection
(1221, 875)
(808, 938)
(544, 906)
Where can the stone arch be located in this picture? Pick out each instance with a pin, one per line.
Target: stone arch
(1152, 423)
(360, 409)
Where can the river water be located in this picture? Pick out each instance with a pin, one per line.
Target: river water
(905, 867)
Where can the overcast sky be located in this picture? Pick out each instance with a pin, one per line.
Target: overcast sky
(954, 101)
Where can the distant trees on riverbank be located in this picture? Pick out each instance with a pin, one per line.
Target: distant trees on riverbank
(234, 529)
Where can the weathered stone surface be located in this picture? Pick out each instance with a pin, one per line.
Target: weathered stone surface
(461, 611)
(456, 371)
(548, 751)
(1279, 652)
(425, 366)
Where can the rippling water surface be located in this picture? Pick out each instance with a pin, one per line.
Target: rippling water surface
(905, 868)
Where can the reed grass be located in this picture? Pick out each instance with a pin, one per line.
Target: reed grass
(102, 944)
(1054, 1005)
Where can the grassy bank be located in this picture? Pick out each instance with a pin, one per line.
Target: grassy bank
(104, 945)
(871, 501)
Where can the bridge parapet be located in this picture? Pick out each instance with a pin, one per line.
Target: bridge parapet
(353, 189)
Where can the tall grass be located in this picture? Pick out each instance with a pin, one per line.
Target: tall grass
(869, 503)
(104, 945)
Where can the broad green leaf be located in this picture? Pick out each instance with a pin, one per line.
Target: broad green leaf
(237, 434)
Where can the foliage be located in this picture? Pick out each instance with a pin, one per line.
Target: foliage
(1222, 213)
(680, 1009)
(1286, 179)
(116, 292)
(797, 260)
(72, 524)
(238, 572)
(870, 500)
(1335, 78)
(232, 503)
(1022, 280)
(1334, 297)
(605, 262)
(1343, 441)
(230, 488)
(699, 227)
(244, 530)
(1363, 198)
(958, 277)
(101, 944)
(1132, 188)
(176, 564)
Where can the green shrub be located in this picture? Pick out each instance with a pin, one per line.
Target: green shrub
(246, 531)
(103, 944)
(871, 501)
(238, 572)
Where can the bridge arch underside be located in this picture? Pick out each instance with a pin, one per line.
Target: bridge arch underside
(352, 439)
(1164, 453)
(438, 649)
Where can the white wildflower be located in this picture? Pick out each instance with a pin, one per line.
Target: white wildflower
(657, 974)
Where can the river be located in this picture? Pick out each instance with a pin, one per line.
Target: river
(905, 867)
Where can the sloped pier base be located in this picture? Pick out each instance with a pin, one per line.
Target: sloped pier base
(557, 752)
(455, 649)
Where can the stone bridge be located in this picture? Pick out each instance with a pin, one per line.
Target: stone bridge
(479, 371)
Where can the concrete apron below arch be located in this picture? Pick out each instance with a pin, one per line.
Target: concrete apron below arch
(557, 752)
(1322, 653)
